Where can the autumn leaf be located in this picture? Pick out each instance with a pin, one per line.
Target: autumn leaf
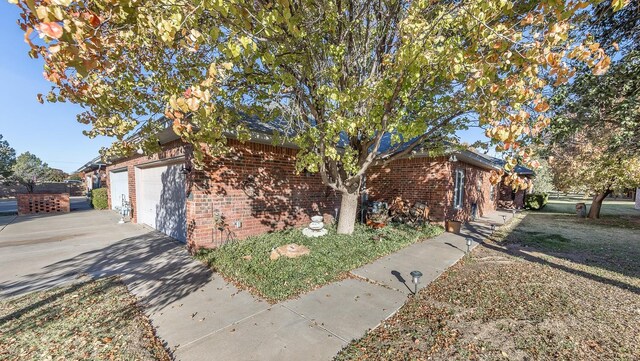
(50, 29)
(602, 66)
(617, 5)
(542, 107)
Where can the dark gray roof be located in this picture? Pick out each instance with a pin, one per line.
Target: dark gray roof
(494, 162)
(94, 163)
(262, 132)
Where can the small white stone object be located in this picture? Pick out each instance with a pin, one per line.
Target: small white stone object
(315, 228)
(311, 233)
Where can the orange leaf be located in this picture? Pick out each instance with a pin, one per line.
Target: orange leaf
(51, 29)
(542, 107)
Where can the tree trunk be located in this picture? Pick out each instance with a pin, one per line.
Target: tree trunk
(348, 212)
(596, 204)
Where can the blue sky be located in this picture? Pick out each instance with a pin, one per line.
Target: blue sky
(50, 131)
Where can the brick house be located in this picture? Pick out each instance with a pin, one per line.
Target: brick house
(255, 189)
(93, 173)
(252, 190)
(454, 187)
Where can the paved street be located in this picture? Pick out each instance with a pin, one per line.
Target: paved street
(77, 203)
(197, 313)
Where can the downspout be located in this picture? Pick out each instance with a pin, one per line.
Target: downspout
(98, 175)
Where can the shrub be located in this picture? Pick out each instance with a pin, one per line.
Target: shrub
(99, 198)
(536, 201)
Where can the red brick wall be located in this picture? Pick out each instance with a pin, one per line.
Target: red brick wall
(42, 203)
(255, 184)
(431, 180)
(477, 189)
(416, 180)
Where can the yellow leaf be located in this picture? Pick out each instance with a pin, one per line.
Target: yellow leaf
(617, 5)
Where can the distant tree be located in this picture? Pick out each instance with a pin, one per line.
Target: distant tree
(7, 158)
(75, 176)
(586, 163)
(28, 170)
(543, 181)
(55, 175)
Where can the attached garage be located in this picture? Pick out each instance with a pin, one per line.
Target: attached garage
(161, 198)
(118, 187)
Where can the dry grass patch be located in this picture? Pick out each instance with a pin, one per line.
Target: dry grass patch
(554, 288)
(93, 320)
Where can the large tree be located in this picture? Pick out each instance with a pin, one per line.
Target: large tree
(340, 77)
(29, 170)
(586, 163)
(595, 135)
(7, 158)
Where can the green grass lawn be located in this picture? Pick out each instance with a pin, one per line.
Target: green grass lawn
(93, 320)
(610, 206)
(549, 286)
(247, 262)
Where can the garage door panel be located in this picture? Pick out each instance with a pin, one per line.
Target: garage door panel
(162, 200)
(118, 188)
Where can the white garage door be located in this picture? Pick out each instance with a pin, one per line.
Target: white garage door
(161, 199)
(119, 188)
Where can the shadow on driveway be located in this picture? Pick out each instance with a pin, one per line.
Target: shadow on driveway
(154, 266)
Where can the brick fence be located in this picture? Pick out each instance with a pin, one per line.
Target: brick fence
(42, 203)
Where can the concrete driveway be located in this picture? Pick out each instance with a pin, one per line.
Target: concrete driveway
(40, 252)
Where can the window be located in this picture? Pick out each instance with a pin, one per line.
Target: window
(492, 193)
(458, 190)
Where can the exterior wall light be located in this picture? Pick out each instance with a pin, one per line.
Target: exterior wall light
(185, 169)
(415, 278)
(453, 158)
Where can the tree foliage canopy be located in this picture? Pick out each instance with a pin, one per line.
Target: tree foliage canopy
(609, 102)
(340, 78)
(586, 164)
(7, 158)
(29, 169)
(595, 135)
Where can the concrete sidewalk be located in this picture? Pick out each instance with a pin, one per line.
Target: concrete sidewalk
(317, 325)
